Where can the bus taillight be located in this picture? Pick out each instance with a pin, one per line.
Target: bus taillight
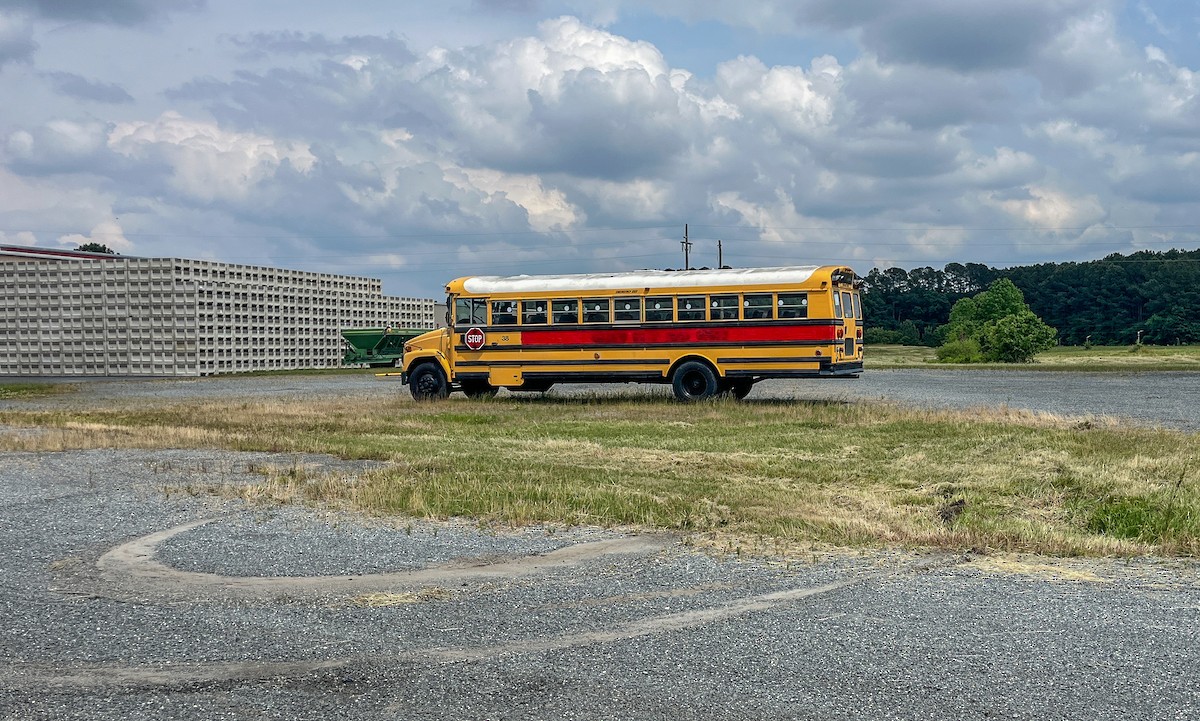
(858, 334)
(840, 333)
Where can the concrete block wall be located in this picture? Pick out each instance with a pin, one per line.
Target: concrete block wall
(126, 316)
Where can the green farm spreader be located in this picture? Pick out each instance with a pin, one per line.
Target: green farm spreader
(377, 347)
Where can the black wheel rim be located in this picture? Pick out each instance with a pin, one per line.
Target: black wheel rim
(427, 385)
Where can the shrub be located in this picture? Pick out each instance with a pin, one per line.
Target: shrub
(996, 326)
(966, 350)
(882, 336)
(1016, 338)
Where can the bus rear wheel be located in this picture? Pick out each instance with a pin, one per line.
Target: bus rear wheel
(694, 381)
(428, 383)
(478, 389)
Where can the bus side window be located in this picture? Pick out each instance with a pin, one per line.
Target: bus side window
(533, 312)
(793, 305)
(595, 310)
(566, 311)
(757, 307)
(691, 307)
(724, 307)
(470, 311)
(837, 304)
(627, 310)
(659, 310)
(504, 312)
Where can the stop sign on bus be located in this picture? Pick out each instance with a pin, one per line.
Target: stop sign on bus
(474, 338)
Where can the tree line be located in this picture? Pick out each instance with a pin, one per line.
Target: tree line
(1104, 302)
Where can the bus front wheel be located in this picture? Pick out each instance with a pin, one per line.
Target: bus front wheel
(694, 381)
(428, 383)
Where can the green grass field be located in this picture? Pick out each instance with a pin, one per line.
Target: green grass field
(27, 389)
(760, 476)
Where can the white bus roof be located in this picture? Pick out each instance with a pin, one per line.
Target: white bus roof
(484, 284)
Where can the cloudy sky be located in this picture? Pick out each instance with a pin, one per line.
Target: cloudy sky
(414, 144)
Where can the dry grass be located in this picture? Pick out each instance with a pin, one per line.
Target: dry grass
(764, 476)
(1061, 358)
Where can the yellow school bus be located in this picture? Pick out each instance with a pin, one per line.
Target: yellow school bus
(706, 332)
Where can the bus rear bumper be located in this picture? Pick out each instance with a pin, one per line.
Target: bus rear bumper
(842, 370)
(826, 370)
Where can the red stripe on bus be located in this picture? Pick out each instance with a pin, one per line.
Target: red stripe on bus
(656, 336)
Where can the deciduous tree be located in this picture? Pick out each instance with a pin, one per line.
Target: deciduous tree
(995, 325)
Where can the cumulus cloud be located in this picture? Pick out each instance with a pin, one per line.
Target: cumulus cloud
(358, 81)
(207, 162)
(1084, 57)
(16, 39)
(789, 98)
(948, 33)
(37, 210)
(901, 150)
(1058, 221)
(22, 237)
(1004, 169)
(574, 100)
(1160, 180)
(1172, 94)
(59, 146)
(566, 125)
(108, 233)
(1046, 208)
(118, 12)
(264, 45)
(928, 98)
(772, 217)
(79, 87)
(547, 209)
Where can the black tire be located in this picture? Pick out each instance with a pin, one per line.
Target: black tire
(478, 389)
(694, 381)
(428, 383)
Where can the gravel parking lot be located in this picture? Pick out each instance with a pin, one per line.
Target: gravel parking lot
(126, 598)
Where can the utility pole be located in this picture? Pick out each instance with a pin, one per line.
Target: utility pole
(687, 247)
(720, 256)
